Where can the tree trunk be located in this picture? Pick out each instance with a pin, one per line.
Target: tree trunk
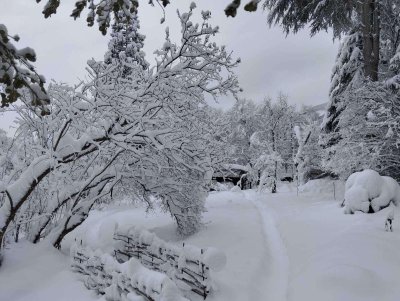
(17, 233)
(1, 247)
(371, 37)
(273, 188)
(66, 230)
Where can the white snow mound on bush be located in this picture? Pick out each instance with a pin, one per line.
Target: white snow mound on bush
(367, 188)
(356, 199)
(369, 179)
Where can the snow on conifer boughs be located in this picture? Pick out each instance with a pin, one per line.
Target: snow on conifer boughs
(347, 72)
(348, 65)
(368, 130)
(101, 11)
(17, 72)
(320, 15)
(126, 42)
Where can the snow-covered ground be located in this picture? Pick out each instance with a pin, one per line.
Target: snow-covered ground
(278, 247)
(39, 273)
(334, 256)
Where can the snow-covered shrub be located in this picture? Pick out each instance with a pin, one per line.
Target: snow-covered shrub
(356, 199)
(367, 191)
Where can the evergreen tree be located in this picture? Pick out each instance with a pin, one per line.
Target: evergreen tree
(368, 129)
(17, 72)
(340, 16)
(347, 73)
(126, 44)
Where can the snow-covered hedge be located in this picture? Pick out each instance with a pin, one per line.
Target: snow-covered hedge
(188, 266)
(367, 191)
(128, 281)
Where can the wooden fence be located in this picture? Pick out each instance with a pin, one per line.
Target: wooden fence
(119, 282)
(188, 267)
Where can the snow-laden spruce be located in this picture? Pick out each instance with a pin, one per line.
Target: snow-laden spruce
(138, 135)
(366, 134)
(17, 72)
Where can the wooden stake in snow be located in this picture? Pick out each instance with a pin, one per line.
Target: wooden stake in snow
(389, 219)
(334, 191)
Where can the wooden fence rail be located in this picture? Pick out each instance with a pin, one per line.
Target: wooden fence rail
(103, 274)
(187, 267)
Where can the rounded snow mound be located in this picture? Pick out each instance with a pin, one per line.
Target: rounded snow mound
(356, 199)
(367, 191)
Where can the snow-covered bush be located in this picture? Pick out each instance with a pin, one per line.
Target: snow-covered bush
(114, 133)
(367, 191)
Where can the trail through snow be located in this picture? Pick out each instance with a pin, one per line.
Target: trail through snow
(276, 255)
(333, 256)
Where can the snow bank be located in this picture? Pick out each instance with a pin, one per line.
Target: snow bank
(39, 272)
(323, 186)
(216, 186)
(215, 259)
(367, 191)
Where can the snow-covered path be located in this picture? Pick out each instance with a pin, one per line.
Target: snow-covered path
(332, 256)
(276, 256)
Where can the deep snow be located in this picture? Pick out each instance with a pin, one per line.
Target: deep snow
(39, 273)
(278, 247)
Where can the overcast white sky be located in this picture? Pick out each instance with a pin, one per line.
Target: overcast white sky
(297, 65)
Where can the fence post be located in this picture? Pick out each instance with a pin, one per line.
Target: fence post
(334, 191)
